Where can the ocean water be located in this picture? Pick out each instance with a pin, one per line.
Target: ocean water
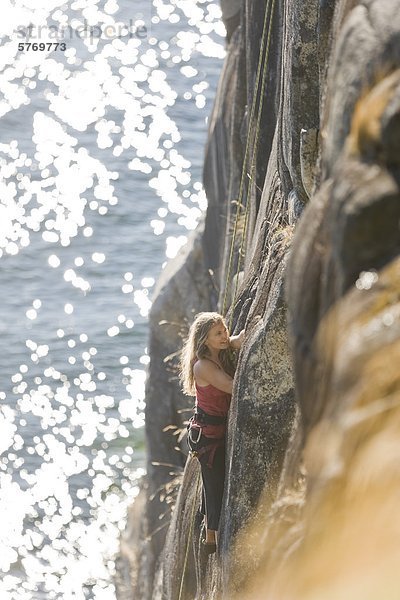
(101, 151)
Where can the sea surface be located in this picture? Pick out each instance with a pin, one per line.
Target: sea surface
(101, 152)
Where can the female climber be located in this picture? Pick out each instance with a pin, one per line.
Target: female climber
(207, 369)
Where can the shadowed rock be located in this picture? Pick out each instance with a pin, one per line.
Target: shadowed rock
(183, 290)
(343, 289)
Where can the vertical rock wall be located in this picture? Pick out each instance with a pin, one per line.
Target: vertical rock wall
(313, 395)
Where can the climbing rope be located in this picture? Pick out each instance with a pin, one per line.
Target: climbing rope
(263, 62)
(254, 157)
(190, 531)
(261, 70)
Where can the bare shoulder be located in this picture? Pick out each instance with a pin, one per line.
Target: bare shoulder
(203, 368)
(207, 373)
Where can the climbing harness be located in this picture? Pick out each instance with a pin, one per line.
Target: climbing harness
(195, 431)
(200, 416)
(264, 56)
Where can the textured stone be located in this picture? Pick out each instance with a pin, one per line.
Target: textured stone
(260, 425)
(308, 158)
(330, 390)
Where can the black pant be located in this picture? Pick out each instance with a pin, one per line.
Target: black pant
(213, 481)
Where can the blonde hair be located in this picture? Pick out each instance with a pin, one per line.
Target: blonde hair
(195, 348)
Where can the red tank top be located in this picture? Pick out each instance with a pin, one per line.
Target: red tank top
(214, 402)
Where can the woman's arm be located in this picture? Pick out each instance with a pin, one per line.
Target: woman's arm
(236, 340)
(206, 373)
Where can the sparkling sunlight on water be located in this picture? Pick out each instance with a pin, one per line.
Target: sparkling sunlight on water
(100, 158)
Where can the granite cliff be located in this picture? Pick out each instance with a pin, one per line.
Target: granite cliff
(313, 448)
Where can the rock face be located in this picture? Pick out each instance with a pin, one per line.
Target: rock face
(313, 444)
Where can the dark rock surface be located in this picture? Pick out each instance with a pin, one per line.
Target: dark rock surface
(317, 386)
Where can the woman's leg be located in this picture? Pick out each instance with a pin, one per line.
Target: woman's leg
(213, 482)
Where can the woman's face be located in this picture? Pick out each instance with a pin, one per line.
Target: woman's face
(218, 337)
